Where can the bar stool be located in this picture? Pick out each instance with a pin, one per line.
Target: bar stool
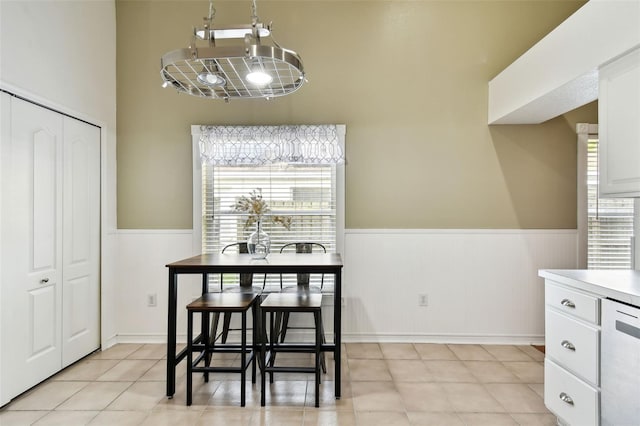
(281, 303)
(245, 285)
(303, 281)
(216, 303)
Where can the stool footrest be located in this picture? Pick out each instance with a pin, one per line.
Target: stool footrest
(226, 348)
(283, 369)
(211, 369)
(293, 347)
(249, 356)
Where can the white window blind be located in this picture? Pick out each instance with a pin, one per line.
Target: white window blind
(306, 193)
(610, 221)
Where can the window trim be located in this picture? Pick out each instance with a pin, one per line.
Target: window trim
(583, 130)
(197, 191)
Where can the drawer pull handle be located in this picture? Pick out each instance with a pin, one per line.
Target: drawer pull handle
(44, 280)
(566, 398)
(568, 345)
(568, 303)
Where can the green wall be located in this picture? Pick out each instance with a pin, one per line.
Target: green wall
(408, 78)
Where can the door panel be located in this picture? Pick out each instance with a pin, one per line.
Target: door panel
(80, 202)
(31, 241)
(81, 254)
(78, 295)
(42, 315)
(44, 199)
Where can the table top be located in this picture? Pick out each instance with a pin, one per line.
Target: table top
(275, 262)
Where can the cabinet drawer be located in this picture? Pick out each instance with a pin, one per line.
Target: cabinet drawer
(569, 398)
(581, 305)
(573, 344)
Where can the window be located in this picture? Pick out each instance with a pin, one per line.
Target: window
(312, 195)
(306, 193)
(609, 221)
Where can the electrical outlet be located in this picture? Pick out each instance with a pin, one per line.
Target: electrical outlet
(423, 300)
(152, 299)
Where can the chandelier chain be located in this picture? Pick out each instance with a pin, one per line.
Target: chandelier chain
(254, 11)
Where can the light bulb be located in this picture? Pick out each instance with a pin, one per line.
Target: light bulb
(210, 79)
(259, 77)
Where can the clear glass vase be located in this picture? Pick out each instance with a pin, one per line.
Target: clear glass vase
(259, 243)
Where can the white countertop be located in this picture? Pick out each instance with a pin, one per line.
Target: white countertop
(622, 285)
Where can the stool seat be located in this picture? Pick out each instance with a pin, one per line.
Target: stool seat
(216, 303)
(298, 301)
(223, 302)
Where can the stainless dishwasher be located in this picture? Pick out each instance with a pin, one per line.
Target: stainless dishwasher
(620, 364)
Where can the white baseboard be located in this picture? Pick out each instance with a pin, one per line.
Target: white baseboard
(148, 338)
(109, 341)
(296, 335)
(443, 338)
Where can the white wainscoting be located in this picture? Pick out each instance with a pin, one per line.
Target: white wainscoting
(142, 256)
(482, 285)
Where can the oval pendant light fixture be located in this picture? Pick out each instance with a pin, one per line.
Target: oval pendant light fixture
(244, 69)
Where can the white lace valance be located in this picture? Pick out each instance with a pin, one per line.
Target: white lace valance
(260, 145)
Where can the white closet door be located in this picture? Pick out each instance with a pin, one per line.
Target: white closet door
(31, 246)
(81, 242)
(5, 135)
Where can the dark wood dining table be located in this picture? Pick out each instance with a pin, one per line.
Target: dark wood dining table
(275, 263)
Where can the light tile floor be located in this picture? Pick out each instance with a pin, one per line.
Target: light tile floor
(383, 384)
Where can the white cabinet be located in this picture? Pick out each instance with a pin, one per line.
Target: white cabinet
(619, 127)
(572, 345)
(50, 243)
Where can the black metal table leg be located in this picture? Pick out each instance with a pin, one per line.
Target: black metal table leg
(263, 351)
(189, 356)
(317, 318)
(337, 331)
(243, 359)
(171, 332)
(254, 338)
(204, 327)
